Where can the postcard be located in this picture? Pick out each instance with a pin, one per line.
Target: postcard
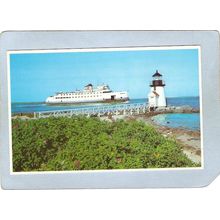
(88, 114)
(101, 109)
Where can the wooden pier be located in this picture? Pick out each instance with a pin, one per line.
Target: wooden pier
(99, 111)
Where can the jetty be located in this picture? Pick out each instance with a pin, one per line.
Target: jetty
(98, 111)
(119, 109)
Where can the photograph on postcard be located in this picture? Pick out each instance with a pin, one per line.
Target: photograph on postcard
(105, 109)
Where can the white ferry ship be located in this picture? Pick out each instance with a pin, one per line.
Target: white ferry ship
(101, 93)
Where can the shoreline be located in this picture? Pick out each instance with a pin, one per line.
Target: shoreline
(189, 139)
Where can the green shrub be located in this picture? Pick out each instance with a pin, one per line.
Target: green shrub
(81, 143)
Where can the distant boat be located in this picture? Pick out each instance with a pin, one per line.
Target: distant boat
(101, 93)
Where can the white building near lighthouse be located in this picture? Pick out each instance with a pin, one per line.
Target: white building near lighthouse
(156, 96)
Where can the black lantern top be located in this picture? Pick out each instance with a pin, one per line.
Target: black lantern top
(157, 74)
(157, 81)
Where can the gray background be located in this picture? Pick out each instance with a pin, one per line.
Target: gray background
(209, 42)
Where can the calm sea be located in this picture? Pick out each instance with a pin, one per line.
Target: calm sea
(176, 120)
(38, 107)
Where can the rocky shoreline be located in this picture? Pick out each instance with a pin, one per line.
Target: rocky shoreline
(189, 140)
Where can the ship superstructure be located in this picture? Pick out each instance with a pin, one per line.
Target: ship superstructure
(101, 93)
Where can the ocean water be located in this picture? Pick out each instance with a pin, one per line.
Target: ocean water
(180, 101)
(178, 120)
(40, 106)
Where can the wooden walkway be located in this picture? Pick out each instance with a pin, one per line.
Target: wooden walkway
(123, 109)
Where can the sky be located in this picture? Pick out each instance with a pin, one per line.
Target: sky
(35, 76)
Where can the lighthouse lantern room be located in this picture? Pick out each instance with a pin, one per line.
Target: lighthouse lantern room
(156, 96)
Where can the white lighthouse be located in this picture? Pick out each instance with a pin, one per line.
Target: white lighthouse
(156, 96)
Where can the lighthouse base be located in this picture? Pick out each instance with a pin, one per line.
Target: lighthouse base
(156, 97)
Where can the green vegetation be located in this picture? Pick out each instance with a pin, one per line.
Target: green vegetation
(81, 143)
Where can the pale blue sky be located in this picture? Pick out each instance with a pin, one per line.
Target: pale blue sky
(35, 76)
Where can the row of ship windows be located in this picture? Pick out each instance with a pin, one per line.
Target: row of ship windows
(80, 93)
(76, 97)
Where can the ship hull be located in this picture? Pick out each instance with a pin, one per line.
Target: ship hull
(87, 101)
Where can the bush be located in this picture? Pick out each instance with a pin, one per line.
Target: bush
(81, 143)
